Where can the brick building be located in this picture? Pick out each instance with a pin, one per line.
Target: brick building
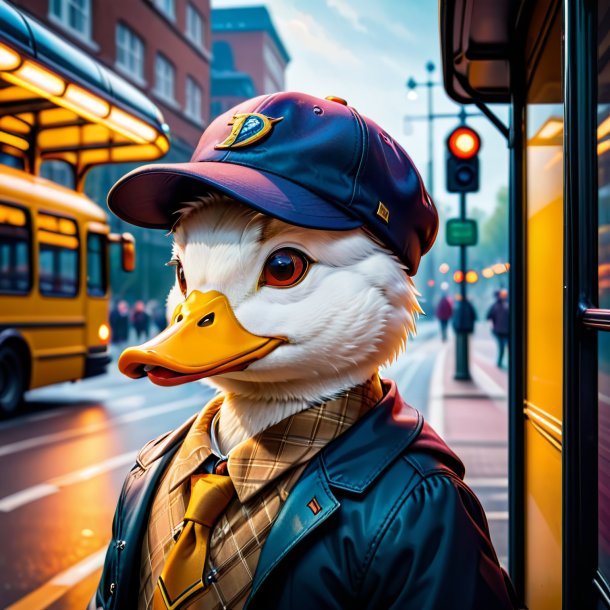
(249, 56)
(163, 48)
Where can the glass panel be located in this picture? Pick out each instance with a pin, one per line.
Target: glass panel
(603, 151)
(96, 265)
(545, 226)
(604, 454)
(15, 272)
(59, 257)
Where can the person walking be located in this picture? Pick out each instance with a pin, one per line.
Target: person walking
(444, 311)
(498, 314)
(119, 323)
(140, 320)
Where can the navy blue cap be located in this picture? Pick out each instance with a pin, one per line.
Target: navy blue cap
(311, 162)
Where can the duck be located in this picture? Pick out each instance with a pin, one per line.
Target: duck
(324, 310)
(297, 228)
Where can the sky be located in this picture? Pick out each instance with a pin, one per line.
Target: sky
(365, 51)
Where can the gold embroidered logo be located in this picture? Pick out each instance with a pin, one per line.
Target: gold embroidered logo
(247, 129)
(383, 212)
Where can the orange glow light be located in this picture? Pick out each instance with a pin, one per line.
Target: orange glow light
(9, 60)
(464, 143)
(472, 277)
(85, 100)
(499, 268)
(487, 273)
(458, 277)
(443, 268)
(40, 79)
(103, 333)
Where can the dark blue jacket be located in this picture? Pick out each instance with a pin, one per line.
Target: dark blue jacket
(397, 527)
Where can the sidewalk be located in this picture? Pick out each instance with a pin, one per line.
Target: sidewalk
(472, 417)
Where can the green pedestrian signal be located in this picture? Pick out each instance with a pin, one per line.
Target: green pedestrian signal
(462, 232)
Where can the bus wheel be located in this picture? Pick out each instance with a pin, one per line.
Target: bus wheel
(12, 380)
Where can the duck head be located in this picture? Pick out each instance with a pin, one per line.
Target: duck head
(264, 308)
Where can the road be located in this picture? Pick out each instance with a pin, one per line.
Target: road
(64, 459)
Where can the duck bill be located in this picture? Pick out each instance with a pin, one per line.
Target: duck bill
(204, 338)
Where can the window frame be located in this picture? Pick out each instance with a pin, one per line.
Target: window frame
(30, 250)
(128, 51)
(192, 86)
(79, 257)
(62, 18)
(163, 60)
(192, 11)
(162, 7)
(104, 264)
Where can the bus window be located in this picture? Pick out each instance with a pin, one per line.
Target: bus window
(603, 379)
(96, 264)
(58, 259)
(59, 172)
(15, 267)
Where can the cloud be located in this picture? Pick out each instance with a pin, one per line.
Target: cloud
(309, 35)
(348, 13)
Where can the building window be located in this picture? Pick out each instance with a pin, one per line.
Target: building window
(165, 76)
(75, 15)
(194, 26)
(167, 7)
(193, 100)
(129, 52)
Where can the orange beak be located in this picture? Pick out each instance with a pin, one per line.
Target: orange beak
(203, 339)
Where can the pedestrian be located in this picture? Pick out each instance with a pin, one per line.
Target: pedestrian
(158, 315)
(499, 315)
(444, 311)
(119, 322)
(140, 320)
(464, 317)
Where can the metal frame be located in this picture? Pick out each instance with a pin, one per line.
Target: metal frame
(579, 454)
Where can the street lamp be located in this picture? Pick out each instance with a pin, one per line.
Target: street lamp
(412, 85)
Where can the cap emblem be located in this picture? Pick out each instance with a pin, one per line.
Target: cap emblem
(247, 129)
(383, 212)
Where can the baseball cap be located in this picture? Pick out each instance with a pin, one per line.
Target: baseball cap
(308, 161)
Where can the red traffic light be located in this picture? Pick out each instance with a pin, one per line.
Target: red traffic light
(464, 143)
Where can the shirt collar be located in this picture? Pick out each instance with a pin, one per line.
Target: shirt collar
(259, 460)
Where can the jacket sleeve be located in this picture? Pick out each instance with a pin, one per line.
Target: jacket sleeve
(434, 553)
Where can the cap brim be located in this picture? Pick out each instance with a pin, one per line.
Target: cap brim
(150, 196)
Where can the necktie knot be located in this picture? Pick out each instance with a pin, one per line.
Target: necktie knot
(210, 495)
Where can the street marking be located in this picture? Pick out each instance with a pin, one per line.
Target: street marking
(497, 515)
(56, 437)
(59, 585)
(487, 482)
(436, 409)
(93, 471)
(36, 492)
(493, 389)
(26, 496)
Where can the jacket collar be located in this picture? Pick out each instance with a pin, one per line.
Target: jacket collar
(352, 462)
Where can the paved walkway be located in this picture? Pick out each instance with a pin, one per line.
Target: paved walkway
(472, 417)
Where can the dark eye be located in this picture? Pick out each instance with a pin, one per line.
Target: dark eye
(285, 268)
(181, 279)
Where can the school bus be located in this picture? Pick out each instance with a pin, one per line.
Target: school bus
(550, 61)
(58, 105)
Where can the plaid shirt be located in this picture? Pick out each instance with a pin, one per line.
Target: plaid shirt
(263, 469)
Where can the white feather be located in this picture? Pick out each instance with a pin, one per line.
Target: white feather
(352, 313)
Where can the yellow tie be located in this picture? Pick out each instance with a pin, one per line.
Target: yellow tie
(181, 579)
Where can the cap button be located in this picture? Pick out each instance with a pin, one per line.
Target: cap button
(334, 98)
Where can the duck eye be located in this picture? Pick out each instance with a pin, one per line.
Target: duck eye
(181, 279)
(284, 268)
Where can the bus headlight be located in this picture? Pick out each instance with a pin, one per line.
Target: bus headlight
(103, 333)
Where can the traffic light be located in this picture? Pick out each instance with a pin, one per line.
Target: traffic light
(463, 146)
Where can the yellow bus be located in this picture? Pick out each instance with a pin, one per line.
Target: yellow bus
(550, 61)
(57, 105)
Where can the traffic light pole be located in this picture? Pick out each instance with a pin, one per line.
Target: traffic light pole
(462, 371)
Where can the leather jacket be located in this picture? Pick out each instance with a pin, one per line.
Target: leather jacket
(397, 526)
